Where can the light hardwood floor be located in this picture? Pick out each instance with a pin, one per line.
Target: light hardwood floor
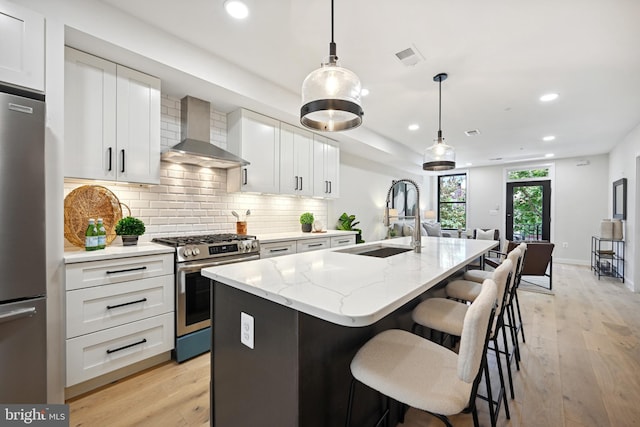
(580, 368)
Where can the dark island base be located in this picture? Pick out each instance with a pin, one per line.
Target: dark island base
(298, 373)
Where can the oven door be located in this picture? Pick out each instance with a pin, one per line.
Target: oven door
(193, 293)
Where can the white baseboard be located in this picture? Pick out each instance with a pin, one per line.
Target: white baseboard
(572, 261)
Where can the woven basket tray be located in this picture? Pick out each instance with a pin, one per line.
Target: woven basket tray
(90, 201)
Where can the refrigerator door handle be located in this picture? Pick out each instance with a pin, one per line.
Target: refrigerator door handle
(17, 314)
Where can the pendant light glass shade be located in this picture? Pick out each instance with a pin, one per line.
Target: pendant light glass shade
(440, 156)
(331, 96)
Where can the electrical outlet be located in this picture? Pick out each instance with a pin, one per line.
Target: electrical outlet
(246, 329)
(565, 244)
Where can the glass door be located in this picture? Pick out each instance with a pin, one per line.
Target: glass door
(528, 213)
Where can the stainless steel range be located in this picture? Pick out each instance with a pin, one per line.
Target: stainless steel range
(193, 306)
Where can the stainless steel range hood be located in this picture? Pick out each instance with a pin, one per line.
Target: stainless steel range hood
(195, 148)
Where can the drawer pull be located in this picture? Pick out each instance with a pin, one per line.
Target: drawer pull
(109, 307)
(128, 270)
(343, 241)
(124, 347)
(314, 245)
(278, 250)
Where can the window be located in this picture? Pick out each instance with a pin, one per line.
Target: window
(452, 201)
(524, 174)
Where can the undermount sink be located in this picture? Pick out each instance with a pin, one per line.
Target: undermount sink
(377, 251)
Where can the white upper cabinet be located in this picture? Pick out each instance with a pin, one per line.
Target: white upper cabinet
(296, 161)
(112, 121)
(138, 127)
(255, 138)
(21, 47)
(326, 168)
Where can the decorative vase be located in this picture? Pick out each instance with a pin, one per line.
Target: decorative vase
(306, 228)
(617, 229)
(606, 229)
(129, 240)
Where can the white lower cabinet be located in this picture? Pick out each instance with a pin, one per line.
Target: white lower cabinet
(269, 250)
(308, 245)
(91, 355)
(118, 312)
(343, 240)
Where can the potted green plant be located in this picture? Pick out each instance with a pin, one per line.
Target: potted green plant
(346, 222)
(129, 228)
(306, 219)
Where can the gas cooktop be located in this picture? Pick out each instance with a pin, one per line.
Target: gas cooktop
(205, 239)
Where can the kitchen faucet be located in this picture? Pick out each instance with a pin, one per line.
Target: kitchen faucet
(416, 238)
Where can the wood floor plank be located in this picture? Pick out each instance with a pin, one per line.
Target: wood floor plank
(580, 368)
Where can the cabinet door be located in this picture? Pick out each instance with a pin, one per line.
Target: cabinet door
(296, 161)
(90, 116)
(326, 172)
(320, 184)
(22, 47)
(138, 120)
(255, 138)
(332, 169)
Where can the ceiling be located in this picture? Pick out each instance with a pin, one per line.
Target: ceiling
(501, 56)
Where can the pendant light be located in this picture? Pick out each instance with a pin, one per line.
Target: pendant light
(440, 156)
(331, 95)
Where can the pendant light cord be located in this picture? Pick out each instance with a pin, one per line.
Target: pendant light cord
(439, 109)
(332, 46)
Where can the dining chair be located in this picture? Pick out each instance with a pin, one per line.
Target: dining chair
(424, 375)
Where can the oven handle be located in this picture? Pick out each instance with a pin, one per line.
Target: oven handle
(182, 270)
(205, 264)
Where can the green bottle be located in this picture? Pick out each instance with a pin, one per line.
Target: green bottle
(102, 234)
(91, 236)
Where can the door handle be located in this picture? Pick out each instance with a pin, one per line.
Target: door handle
(110, 159)
(300, 183)
(17, 314)
(296, 183)
(122, 151)
(244, 176)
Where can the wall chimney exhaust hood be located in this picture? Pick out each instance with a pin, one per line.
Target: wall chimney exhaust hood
(195, 148)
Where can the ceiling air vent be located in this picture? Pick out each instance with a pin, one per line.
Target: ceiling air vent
(409, 57)
(472, 132)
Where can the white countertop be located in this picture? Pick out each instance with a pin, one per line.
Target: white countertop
(299, 235)
(348, 289)
(115, 251)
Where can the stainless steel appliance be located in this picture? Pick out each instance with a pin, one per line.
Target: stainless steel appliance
(193, 291)
(23, 356)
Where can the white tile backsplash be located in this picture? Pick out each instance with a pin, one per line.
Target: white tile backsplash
(193, 200)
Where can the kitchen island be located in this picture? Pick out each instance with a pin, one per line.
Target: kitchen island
(285, 329)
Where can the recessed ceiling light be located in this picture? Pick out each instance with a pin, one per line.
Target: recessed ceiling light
(468, 164)
(549, 155)
(236, 9)
(414, 127)
(548, 97)
(364, 92)
(549, 138)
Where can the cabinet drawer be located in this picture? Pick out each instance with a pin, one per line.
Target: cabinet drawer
(312, 244)
(100, 307)
(343, 240)
(95, 273)
(96, 354)
(269, 250)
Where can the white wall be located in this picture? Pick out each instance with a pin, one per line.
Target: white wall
(579, 201)
(624, 162)
(363, 190)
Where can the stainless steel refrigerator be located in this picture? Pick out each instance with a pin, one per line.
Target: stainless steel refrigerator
(23, 355)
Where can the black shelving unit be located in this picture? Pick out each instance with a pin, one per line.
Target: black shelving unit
(607, 257)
